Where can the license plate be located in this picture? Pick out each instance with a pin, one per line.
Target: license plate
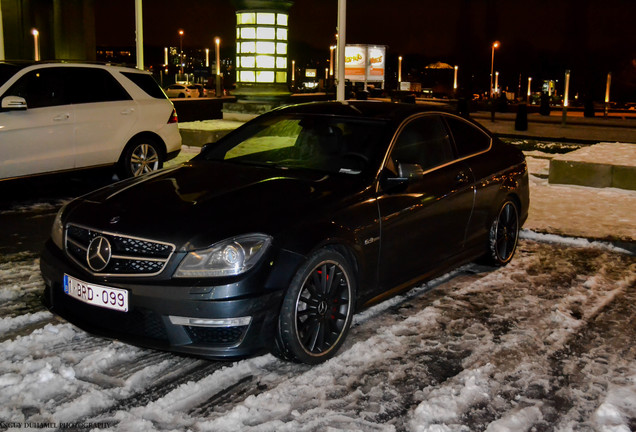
(96, 295)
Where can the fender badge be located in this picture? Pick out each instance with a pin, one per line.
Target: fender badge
(114, 220)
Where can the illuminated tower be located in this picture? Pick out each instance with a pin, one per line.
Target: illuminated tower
(261, 49)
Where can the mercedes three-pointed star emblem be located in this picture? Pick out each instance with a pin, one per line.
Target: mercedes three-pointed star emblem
(98, 254)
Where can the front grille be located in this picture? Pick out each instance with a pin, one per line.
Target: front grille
(216, 335)
(129, 256)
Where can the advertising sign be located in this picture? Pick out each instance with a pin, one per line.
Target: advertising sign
(355, 62)
(365, 62)
(375, 71)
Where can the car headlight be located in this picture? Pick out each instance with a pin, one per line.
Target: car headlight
(57, 230)
(229, 257)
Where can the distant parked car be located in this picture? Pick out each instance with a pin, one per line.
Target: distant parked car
(66, 116)
(182, 91)
(203, 92)
(273, 237)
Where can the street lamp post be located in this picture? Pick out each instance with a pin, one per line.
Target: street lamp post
(217, 45)
(492, 65)
(181, 50)
(497, 83)
(36, 44)
(207, 58)
(566, 93)
(399, 72)
(455, 80)
(529, 88)
(607, 93)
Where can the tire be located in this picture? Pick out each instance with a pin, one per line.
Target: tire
(503, 235)
(317, 309)
(141, 156)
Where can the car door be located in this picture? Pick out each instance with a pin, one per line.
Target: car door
(423, 221)
(105, 115)
(38, 139)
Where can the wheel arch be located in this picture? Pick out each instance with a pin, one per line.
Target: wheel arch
(146, 135)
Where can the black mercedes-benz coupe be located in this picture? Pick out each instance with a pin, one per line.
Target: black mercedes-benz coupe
(274, 236)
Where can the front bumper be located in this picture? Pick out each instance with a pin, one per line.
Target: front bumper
(151, 304)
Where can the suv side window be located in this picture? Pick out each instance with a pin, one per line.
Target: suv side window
(468, 139)
(94, 85)
(424, 141)
(147, 83)
(41, 88)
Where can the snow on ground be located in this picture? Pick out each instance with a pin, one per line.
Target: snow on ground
(545, 343)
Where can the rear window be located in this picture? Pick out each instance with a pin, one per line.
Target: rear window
(468, 139)
(147, 83)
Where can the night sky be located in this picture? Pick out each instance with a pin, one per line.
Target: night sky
(539, 38)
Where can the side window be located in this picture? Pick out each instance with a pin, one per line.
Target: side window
(424, 141)
(468, 138)
(91, 85)
(41, 88)
(147, 83)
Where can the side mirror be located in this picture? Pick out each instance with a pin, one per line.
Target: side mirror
(14, 103)
(410, 172)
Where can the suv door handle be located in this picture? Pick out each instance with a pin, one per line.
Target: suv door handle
(127, 111)
(62, 117)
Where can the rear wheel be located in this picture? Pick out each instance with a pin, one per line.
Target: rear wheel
(141, 156)
(317, 309)
(504, 234)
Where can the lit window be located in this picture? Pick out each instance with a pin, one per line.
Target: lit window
(248, 33)
(247, 76)
(246, 18)
(265, 48)
(265, 18)
(265, 62)
(281, 62)
(282, 19)
(281, 77)
(281, 34)
(266, 33)
(247, 47)
(247, 62)
(265, 76)
(281, 48)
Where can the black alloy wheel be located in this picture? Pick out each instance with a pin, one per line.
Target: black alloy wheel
(317, 309)
(141, 156)
(504, 234)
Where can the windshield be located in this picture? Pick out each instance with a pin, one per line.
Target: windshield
(316, 142)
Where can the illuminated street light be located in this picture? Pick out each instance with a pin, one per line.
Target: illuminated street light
(529, 88)
(566, 97)
(181, 50)
(496, 83)
(492, 65)
(455, 79)
(293, 78)
(165, 56)
(331, 49)
(207, 57)
(217, 45)
(399, 69)
(607, 93)
(36, 43)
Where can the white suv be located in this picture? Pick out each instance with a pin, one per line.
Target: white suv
(65, 116)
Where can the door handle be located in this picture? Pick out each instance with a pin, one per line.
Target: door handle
(127, 111)
(62, 117)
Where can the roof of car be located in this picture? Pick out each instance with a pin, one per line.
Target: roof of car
(367, 109)
(21, 64)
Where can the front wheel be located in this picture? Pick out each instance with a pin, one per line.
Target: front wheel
(317, 309)
(141, 156)
(503, 235)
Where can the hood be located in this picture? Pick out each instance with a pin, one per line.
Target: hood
(202, 202)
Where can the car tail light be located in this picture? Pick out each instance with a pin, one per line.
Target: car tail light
(173, 117)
